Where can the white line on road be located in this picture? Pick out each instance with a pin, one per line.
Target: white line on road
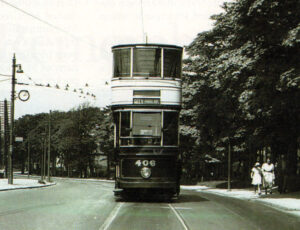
(155, 207)
(111, 217)
(179, 217)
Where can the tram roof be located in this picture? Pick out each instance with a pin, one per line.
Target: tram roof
(147, 44)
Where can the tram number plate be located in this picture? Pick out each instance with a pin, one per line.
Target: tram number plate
(140, 163)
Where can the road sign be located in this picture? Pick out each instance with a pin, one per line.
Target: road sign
(19, 139)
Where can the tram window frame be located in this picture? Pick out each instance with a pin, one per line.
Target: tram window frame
(122, 63)
(170, 133)
(168, 64)
(172, 63)
(140, 57)
(155, 125)
(147, 139)
(125, 124)
(167, 129)
(116, 117)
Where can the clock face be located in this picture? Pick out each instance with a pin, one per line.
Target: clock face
(24, 95)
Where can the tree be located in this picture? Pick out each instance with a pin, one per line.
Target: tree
(243, 79)
(75, 136)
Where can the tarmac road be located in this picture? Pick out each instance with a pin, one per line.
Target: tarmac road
(79, 204)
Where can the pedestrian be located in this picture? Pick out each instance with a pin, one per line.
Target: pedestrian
(256, 176)
(282, 174)
(268, 175)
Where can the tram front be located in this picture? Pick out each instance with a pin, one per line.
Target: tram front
(146, 101)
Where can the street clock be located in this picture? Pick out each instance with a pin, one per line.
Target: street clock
(24, 95)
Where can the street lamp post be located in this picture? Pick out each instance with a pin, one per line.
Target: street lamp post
(12, 117)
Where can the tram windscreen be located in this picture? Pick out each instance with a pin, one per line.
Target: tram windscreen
(122, 63)
(172, 63)
(147, 62)
(146, 124)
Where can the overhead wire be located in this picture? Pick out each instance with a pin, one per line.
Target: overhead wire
(5, 75)
(49, 24)
(4, 80)
(53, 27)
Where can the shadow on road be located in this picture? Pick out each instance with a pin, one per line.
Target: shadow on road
(186, 198)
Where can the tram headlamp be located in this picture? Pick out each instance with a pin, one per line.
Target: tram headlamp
(145, 172)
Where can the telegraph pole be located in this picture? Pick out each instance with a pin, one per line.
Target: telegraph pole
(28, 151)
(229, 167)
(12, 117)
(49, 144)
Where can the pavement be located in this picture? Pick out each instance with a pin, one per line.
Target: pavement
(288, 202)
(22, 184)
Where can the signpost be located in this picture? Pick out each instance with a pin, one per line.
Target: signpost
(19, 139)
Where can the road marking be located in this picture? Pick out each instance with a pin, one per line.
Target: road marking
(144, 206)
(179, 217)
(111, 217)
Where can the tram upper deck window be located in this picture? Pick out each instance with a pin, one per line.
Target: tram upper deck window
(122, 62)
(146, 62)
(172, 63)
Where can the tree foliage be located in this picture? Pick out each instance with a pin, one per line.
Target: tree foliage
(241, 82)
(76, 137)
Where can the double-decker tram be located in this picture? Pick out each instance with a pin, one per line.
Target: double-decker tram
(146, 101)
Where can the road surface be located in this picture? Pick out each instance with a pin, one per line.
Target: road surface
(79, 204)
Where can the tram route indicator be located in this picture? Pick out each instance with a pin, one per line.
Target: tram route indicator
(148, 101)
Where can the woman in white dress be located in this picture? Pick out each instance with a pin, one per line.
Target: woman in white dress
(269, 176)
(256, 177)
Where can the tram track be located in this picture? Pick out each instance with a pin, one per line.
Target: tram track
(113, 215)
(179, 217)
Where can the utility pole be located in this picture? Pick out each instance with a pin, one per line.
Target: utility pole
(1, 155)
(12, 117)
(45, 155)
(49, 144)
(6, 137)
(229, 167)
(28, 151)
(42, 162)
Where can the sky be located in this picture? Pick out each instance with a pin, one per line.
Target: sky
(68, 44)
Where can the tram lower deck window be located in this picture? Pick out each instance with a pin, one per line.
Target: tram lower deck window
(146, 124)
(147, 128)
